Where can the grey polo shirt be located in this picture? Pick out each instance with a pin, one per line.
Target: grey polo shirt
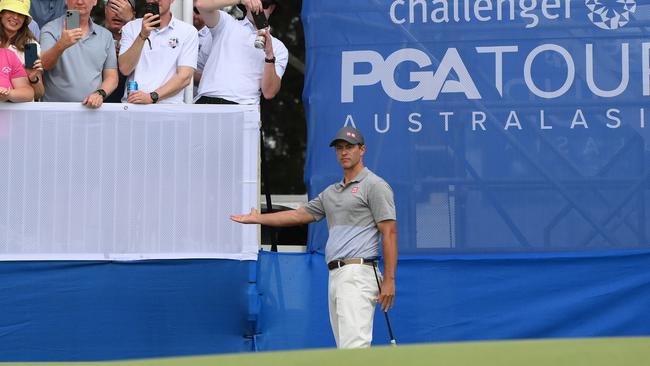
(353, 211)
(78, 71)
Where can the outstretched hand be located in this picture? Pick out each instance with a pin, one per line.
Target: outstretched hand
(250, 218)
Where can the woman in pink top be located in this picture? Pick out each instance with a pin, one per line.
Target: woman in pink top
(14, 86)
(15, 35)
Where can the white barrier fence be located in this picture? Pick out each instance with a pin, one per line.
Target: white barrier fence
(127, 182)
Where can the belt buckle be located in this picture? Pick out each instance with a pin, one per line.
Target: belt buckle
(340, 263)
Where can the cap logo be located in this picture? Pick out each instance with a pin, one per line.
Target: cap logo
(351, 134)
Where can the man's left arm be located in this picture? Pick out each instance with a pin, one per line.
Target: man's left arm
(388, 229)
(271, 80)
(110, 77)
(109, 83)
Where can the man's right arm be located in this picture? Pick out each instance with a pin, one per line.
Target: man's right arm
(54, 48)
(133, 40)
(299, 216)
(209, 9)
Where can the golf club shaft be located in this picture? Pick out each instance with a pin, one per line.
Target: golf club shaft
(393, 342)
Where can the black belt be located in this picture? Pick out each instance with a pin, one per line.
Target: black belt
(338, 263)
(211, 100)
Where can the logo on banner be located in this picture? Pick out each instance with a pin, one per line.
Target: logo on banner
(607, 15)
(544, 73)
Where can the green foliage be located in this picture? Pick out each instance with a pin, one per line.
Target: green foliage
(283, 117)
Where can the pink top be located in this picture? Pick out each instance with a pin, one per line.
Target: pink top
(10, 68)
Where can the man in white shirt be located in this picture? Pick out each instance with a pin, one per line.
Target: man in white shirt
(235, 71)
(158, 52)
(205, 42)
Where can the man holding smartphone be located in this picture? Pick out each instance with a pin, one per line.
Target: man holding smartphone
(158, 52)
(78, 57)
(235, 70)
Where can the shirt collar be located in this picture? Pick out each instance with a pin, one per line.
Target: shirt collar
(204, 31)
(358, 178)
(171, 25)
(247, 23)
(91, 27)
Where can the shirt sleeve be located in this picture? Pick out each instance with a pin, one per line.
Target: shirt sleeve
(48, 37)
(315, 208)
(128, 36)
(190, 51)
(111, 60)
(223, 19)
(281, 57)
(381, 202)
(17, 69)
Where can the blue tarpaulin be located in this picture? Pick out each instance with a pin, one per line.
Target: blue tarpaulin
(73, 311)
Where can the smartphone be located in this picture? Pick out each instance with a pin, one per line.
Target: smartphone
(260, 20)
(72, 19)
(31, 55)
(152, 8)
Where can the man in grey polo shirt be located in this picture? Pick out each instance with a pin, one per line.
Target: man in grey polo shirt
(80, 64)
(359, 210)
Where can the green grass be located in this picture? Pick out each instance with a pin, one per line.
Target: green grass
(571, 352)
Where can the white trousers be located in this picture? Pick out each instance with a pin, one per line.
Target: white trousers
(352, 296)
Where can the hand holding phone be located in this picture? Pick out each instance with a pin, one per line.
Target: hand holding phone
(260, 20)
(154, 9)
(261, 23)
(72, 19)
(31, 55)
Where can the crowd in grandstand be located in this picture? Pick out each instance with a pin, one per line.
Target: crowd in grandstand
(53, 51)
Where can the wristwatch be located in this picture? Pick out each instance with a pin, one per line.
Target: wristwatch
(154, 97)
(270, 60)
(101, 92)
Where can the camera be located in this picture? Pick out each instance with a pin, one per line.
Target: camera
(261, 23)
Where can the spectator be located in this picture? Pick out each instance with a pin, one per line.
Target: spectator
(15, 34)
(80, 64)
(235, 70)
(44, 11)
(205, 43)
(116, 14)
(165, 65)
(14, 86)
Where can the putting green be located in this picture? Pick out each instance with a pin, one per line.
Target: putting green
(569, 352)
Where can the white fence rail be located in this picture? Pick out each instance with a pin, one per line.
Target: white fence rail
(127, 182)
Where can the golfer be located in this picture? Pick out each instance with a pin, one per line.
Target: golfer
(359, 210)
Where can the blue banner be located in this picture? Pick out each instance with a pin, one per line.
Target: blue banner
(501, 125)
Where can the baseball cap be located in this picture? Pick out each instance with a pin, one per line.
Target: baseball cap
(17, 6)
(348, 134)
